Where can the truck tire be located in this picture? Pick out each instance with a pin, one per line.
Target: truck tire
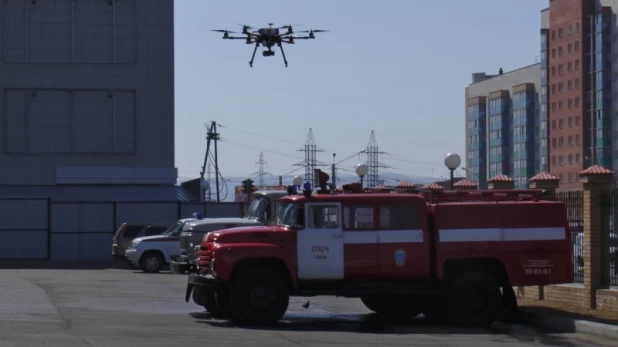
(259, 297)
(151, 262)
(222, 299)
(474, 299)
(392, 305)
(207, 299)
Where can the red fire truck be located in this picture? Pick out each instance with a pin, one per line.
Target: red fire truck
(453, 256)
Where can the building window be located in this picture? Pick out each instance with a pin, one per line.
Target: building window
(561, 141)
(553, 124)
(570, 140)
(570, 158)
(577, 28)
(570, 48)
(577, 139)
(570, 29)
(576, 120)
(560, 160)
(553, 89)
(553, 106)
(561, 122)
(560, 87)
(560, 70)
(553, 71)
(577, 157)
(577, 46)
(577, 83)
(559, 105)
(561, 177)
(560, 51)
(553, 142)
(553, 53)
(553, 35)
(560, 33)
(577, 101)
(570, 121)
(553, 160)
(577, 64)
(570, 84)
(570, 103)
(570, 176)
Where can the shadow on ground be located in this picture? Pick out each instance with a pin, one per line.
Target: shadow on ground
(530, 312)
(61, 265)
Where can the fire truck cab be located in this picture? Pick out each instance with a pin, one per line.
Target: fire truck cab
(453, 256)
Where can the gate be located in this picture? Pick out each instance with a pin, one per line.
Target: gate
(609, 237)
(574, 204)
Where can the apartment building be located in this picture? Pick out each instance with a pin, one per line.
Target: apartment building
(582, 80)
(502, 126)
(87, 92)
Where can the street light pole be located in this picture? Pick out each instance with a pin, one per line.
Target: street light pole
(452, 162)
(362, 170)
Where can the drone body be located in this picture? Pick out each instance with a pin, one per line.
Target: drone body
(268, 38)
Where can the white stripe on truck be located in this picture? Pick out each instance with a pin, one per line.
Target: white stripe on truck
(502, 234)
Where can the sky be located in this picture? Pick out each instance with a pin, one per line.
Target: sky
(397, 67)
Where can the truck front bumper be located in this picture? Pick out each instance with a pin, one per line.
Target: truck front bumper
(204, 281)
(180, 264)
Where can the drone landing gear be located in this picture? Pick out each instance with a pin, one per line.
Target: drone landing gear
(253, 56)
(283, 54)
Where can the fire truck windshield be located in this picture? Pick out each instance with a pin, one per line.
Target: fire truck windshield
(287, 214)
(256, 208)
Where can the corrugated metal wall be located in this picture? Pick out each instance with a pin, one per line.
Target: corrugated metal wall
(39, 229)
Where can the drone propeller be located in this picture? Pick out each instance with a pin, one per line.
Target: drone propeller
(224, 31)
(314, 31)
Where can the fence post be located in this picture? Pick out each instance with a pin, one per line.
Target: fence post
(595, 179)
(114, 217)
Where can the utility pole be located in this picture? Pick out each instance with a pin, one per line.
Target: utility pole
(333, 171)
(280, 181)
(212, 135)
(209, 178)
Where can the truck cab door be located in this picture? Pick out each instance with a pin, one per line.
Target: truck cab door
(320, 243)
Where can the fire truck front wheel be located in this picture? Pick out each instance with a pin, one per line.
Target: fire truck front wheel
(259, 297)
(474, 299)
(207, 299)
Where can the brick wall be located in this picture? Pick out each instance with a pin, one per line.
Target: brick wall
(572, 298)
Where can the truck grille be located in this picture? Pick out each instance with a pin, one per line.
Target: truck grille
(184, 243)
(204, 255)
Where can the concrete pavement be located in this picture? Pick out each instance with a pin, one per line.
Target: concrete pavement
(116, 307)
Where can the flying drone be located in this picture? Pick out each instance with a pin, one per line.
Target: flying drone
(269, 37)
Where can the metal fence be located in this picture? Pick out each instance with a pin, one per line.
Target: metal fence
(574, 204)
(42, 229)
(609, 237)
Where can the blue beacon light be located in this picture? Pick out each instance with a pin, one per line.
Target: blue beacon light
(198, 215)
(307, 189)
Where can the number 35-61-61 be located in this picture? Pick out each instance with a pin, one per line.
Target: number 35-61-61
(537, 271)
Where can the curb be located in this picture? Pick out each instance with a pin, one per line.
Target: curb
(568, 324)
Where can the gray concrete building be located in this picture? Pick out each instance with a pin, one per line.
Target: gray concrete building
(503, 128)
(87, 92)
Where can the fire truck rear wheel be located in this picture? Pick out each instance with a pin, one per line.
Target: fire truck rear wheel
(474, 299)
(259, 297)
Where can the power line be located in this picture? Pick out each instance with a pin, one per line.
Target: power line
(236, 143)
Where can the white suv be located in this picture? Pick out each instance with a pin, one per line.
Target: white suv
(151, 253)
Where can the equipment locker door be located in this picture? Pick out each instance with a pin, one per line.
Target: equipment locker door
(320, 243)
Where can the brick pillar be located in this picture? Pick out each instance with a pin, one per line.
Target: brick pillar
(545, 181)
(501, 182)
(594, 180)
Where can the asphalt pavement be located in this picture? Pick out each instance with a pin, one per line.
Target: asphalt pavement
(115, 307)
